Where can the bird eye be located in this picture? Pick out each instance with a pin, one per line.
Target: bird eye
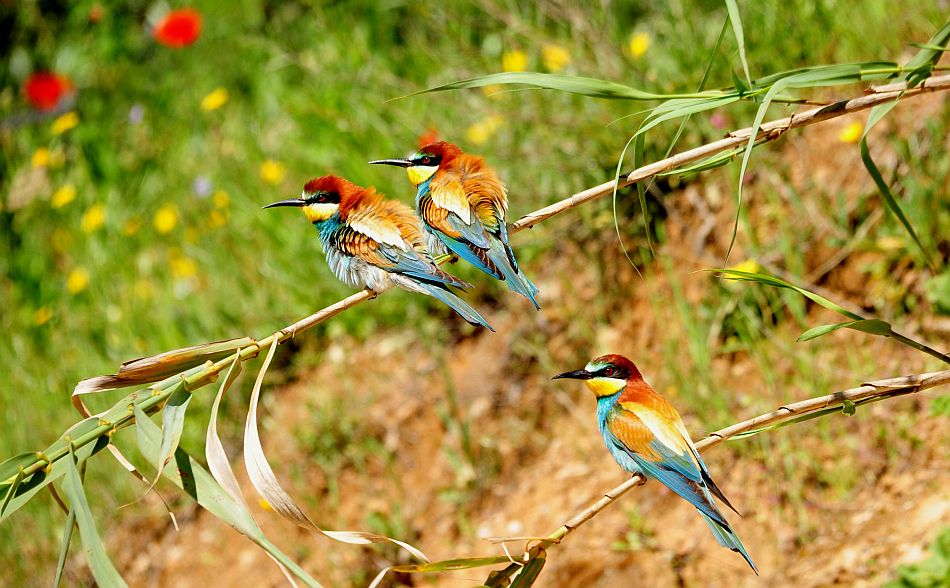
(426, 160)
(609, 371)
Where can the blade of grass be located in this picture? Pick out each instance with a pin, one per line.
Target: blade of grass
(64, 550)
(97, 558)
(873, 326)
(590, 87)
(877, 113)
(736, 21)
(217, 458)
(824, 302)
(173, 423)
(921, 66)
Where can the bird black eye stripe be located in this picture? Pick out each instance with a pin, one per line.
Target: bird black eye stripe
(324, 198)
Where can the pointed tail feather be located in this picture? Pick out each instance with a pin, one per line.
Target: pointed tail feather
(726, 537)
(501, 256)
(464, 309)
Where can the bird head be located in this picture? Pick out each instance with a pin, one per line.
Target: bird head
(606, 375)
(423, 163)
(324, 197)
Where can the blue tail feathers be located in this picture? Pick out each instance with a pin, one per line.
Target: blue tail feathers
(502, 256)
(726, 537)
(464, 309)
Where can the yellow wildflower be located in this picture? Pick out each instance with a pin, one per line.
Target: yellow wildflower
(93, 218)
(639, 43)
(42, 315)
(890, 243)
(215, 100)
(554, 57)
(181, 266)
(264, 504)
(750, 265)
(63, 196)
(483, 130)
(40, 157)
(851, 133)
(64, 123)
(143, 289)
(217, 219)
(77, 280)
(515, 60)
(221, 199)
(165, 219)
(132, 226)
(273, 172)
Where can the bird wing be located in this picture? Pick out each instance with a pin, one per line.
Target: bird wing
(378, 241)
(486, 194)
(445, 207)
(652, 439)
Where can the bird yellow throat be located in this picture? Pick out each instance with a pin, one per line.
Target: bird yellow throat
(420, 173)
(605, 386)
(320, 212)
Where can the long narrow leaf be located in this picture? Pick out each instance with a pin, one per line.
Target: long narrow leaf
(268, 487)
(877, 113)
(173, 423)
(779, 283)
(575, 85)
(215, 455)
(96, 556)
(872, 326)
(733, 11)
(922, 64)
(64, 550)
(200, 485)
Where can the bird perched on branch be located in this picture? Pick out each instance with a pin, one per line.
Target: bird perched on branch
(372, 242)
(463, 203)
(645, 435)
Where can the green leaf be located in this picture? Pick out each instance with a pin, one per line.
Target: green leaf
(778, 283)
(877, 113)
(41, 478)
(96, 556)
(921, 66)
(575, 85)
(733, 11)
(529, 573)
(173, 423)
(872, 326)
(209, 494)
(64, 550)
(9, 467)
(848, 407)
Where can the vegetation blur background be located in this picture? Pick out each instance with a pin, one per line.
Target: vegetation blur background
(131, 223)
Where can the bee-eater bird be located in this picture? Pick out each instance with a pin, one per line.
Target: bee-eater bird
(645, 435)
(462, 204)
(371, 242)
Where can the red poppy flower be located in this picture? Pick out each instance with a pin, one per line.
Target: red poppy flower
(430, 136)
(179, 28)
(45, 89)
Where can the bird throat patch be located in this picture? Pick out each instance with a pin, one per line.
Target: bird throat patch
(420, 173)
(320, 212)
(605, 386)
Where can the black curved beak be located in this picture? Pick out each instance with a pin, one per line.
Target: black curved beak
(297, 202)
(575, 375)
(396, 162)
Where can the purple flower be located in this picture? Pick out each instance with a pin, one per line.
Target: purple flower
(136, 114)
(202, 186)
